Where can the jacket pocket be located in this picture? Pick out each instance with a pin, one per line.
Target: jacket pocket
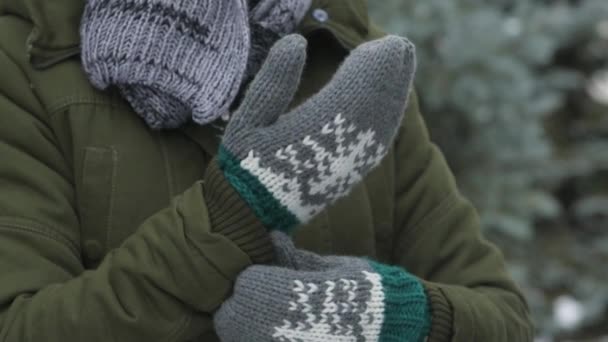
(95, 202)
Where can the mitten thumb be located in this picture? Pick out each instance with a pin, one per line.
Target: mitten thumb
(288, 256)
(285, 252)
(274, 87)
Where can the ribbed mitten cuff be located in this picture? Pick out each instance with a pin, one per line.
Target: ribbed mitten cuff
(442, 314)
(233, 218)
(406, 313)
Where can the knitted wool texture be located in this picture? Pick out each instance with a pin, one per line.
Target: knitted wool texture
(269, 21)
(176, 60)
(290, 166)
(311, 298)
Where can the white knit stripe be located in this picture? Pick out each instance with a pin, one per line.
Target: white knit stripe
(286, 191)
(314, 329)
(373, 317)
(324, 324)
(343, 165)
(318, 333)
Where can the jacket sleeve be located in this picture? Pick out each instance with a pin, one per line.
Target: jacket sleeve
(162, 284)
(471, 294)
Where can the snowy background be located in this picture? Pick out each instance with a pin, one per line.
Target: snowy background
(516, 94)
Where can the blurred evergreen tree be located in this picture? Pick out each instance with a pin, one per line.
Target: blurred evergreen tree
(516, 94)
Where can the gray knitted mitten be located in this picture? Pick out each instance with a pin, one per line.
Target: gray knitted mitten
(176, 60)
(289, 166)
(310, 298)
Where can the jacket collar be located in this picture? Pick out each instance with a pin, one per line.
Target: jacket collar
(55, 34)
(347, 20)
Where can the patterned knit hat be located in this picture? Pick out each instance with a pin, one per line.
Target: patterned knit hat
(174, 60)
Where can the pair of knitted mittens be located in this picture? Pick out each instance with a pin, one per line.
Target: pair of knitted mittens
(289, 166)
(309, 298)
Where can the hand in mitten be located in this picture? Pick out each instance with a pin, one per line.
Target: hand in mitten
(310, 298)
(288, 166)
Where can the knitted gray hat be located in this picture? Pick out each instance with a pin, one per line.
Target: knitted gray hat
(176, 60)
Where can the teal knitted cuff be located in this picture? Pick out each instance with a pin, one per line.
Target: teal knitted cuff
(407, 314)
(266, 207)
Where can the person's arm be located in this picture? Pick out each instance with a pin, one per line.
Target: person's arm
(472, 296)
(162, 284)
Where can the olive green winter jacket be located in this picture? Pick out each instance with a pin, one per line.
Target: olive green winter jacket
(106, 232)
